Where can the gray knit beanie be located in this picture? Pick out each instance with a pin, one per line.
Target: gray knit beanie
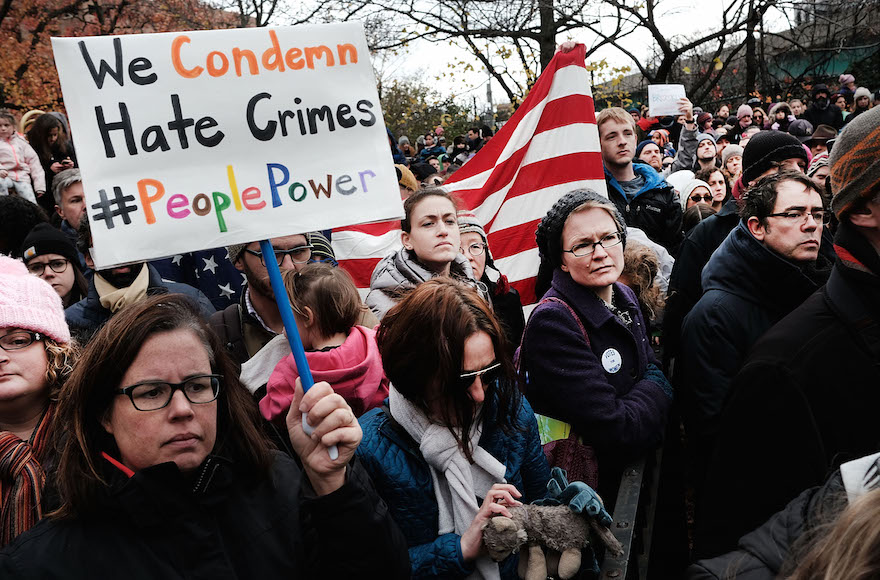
(730, 151)
(855, 165)
(549, 233)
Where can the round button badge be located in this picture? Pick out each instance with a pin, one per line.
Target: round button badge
(611, 360)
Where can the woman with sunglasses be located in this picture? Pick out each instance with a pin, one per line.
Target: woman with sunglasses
(165, 472)
(696, 191)
(455, 429)
(48, 254)
(431, 244)
(36, 356)
(585, 354)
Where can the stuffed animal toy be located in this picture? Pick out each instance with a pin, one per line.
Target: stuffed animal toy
(560, 527)
(555, 527)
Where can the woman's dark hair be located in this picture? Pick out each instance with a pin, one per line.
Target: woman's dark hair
(38, 137)
(88, 394)
(18, 216)
(412, 201)
(329, 292)
(694, 215)
(421, 340)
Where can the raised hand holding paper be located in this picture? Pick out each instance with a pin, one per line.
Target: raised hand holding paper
(663, 100)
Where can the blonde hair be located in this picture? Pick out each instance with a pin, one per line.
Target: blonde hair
(640, 268)
(850, 548)
(61, 358)
(615, 114)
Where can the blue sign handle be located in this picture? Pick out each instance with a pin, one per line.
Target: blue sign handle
(296, 345)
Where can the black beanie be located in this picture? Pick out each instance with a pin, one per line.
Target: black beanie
(44, 239)
(766, 147)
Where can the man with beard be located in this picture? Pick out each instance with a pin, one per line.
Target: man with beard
(246, 327)
(821, 111)
(112, 289)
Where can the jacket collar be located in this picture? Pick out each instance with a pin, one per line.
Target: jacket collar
(161, 493)
(745, 267)
(653, 180)
(584, 301)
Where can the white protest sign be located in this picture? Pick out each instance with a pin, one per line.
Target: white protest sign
(195, 140)
(663, 99)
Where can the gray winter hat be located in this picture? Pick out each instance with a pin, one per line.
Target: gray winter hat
(855, 165)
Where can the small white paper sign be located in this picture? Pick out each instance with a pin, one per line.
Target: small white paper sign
(194, 140)
(663, 99)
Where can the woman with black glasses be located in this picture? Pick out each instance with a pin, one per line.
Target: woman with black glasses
(588, 366)
(455, 429)
(48, 253)
(36, 356)
(165, 473)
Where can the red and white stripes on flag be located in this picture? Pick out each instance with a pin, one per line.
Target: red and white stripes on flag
(549, 147)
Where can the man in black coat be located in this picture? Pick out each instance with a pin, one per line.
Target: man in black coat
(807, 397)
(821, 111)
(765, 154)
(768, 265)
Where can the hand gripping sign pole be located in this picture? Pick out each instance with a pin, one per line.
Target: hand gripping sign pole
(296, 345)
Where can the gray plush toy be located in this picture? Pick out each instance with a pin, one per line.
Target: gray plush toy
(563, 532)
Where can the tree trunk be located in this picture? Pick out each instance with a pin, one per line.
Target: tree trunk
(751, 53)
(548, 32)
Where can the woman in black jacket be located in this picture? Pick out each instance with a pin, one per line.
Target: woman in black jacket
(156, 483)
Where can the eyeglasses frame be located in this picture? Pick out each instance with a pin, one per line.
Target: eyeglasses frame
(127, 391)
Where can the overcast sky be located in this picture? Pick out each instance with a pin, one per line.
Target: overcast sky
(429, 60)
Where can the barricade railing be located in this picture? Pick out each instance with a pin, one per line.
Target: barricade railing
(634, 520)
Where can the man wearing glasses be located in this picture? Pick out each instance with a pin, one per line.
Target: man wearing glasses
(768, 265)
(246, 327)
(807, 397)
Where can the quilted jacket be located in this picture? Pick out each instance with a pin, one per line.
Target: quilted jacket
(403, 480)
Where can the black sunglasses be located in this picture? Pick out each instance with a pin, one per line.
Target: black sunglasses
(487, 376)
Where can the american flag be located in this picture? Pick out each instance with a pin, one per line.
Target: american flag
(549, 147)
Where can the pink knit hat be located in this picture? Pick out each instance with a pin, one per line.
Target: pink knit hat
(29, 302)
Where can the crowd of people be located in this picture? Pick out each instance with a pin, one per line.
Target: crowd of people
(722, 299)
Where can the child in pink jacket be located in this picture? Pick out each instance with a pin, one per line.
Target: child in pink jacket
(327, 306)
(19, 163)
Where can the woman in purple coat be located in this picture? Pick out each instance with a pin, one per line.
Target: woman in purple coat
(585, 351)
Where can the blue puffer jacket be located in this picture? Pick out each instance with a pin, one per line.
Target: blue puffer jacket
(403, 480)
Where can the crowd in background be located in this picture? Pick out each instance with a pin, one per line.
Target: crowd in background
(722, 301)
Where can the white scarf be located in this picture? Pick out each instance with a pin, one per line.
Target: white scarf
(457, 483)
(114, 299)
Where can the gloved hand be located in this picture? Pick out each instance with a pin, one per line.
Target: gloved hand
(578, 496)
(656, 376)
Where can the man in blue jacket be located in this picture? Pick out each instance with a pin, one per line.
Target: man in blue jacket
(646, 201)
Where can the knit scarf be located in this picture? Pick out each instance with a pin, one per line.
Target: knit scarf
(114, 299)
(457, 483)
(855, 253)
(22, 479)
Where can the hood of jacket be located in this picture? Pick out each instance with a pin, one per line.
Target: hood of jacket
(746, 268)
(354, 368)
(653, 180)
